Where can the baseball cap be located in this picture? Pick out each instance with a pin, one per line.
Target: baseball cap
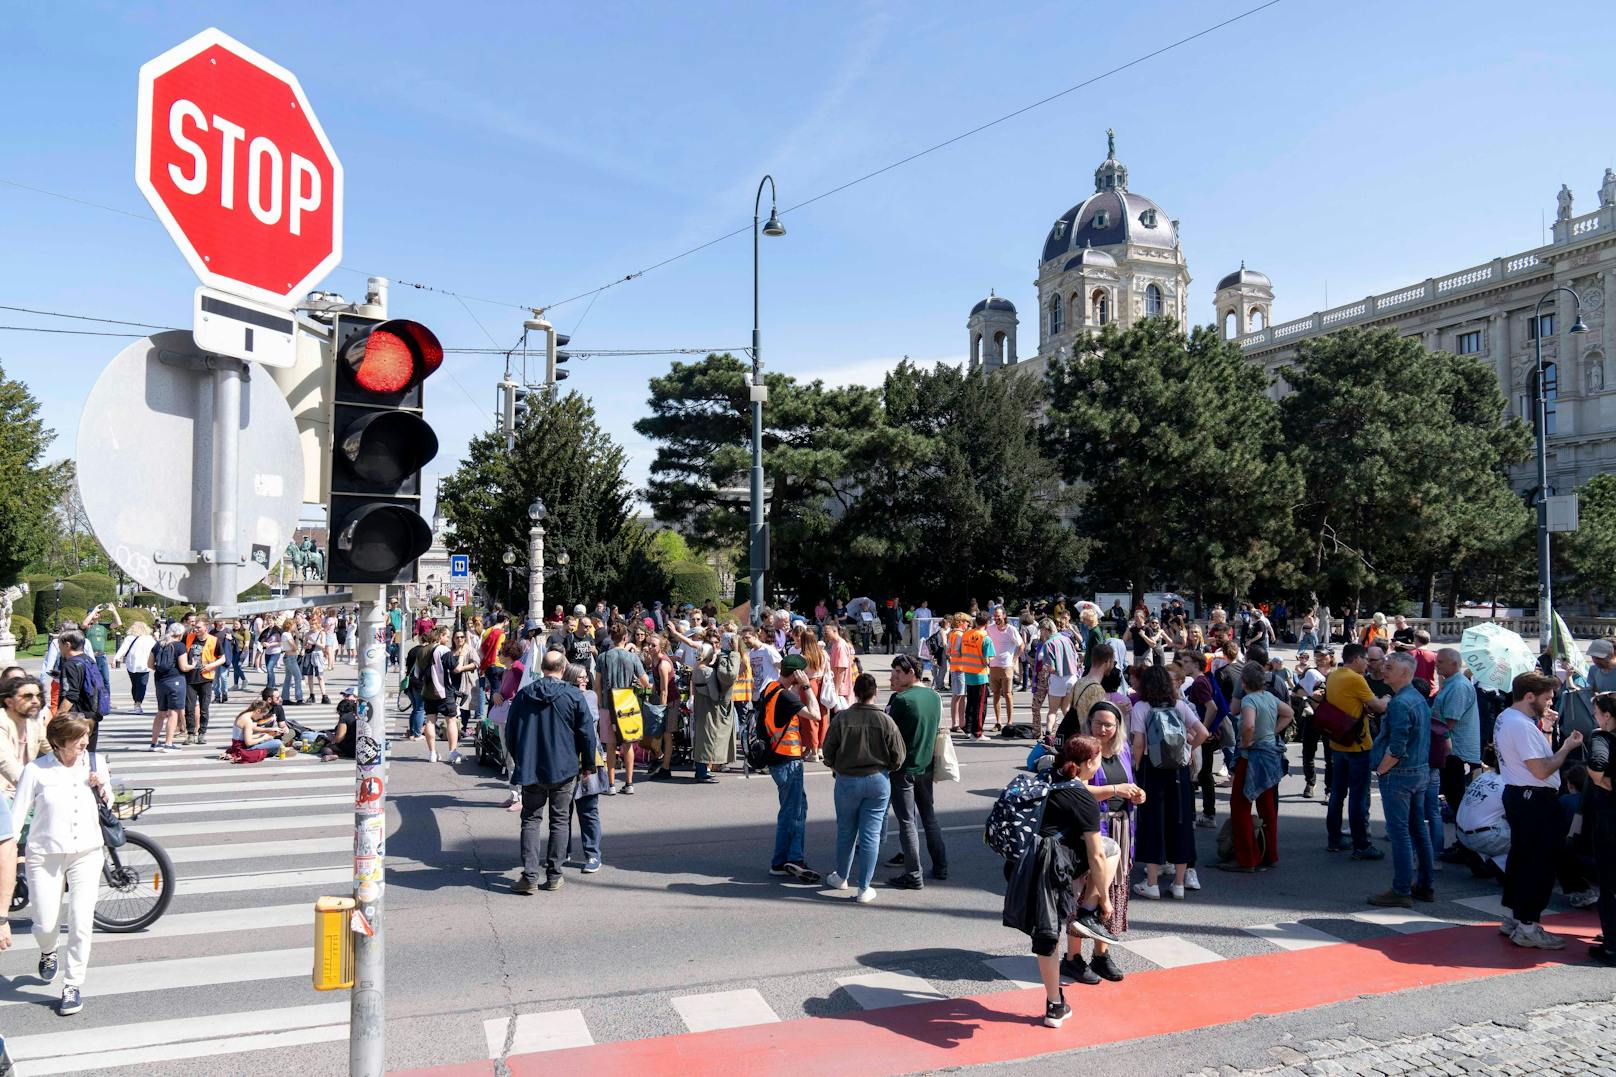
(1601, 648)
(348, 693)
(793, 663)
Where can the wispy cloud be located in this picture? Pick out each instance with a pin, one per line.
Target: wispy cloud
(871, 372)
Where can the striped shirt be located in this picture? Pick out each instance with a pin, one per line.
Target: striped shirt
(1060, 656)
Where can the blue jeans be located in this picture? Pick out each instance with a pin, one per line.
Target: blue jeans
(791, 824)
(1433, 811)
(292, 678)
(101, 664)
(1402, 797)
(273, 746)
(861, 811)
(588, 811)
(271, 662)
(417, 714)
(1349, 782)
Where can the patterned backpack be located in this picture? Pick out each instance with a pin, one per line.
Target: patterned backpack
(1018, 813)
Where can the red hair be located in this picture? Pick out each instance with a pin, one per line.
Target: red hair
(1074, 753)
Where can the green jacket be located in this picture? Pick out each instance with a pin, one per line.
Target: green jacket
(917, 711)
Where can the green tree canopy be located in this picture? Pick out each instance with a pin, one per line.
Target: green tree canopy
(1178, 444)
(29, 488)
(1590, 551)
(562, 456)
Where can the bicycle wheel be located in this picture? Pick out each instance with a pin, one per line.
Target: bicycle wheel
(137, 883)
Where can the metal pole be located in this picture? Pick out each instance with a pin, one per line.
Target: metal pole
(755, 554)
(228, 376)
(367, 1016)
(535, 572)
(1545, 585)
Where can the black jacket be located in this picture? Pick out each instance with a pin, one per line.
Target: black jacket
(549, 730)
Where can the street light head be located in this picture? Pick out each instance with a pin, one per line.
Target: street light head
(772, 226)
(563, 558)
(509, 557)
(1579, 326)
(536, 511)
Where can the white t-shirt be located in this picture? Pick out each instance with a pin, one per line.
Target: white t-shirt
(765, 664)
(1311, 680)
(1517, 739)
(1119, 649)
(1482, 805)
(1006, 642)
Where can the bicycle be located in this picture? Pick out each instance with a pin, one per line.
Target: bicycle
(137, 877)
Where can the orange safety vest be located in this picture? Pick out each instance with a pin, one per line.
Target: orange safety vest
(955, 636)
(742, 692)
(786, 743)
(970, 658)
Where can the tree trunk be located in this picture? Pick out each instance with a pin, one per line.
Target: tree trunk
(1430, 594)
(1454, 583)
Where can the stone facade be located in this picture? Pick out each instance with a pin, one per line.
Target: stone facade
(1486, 310)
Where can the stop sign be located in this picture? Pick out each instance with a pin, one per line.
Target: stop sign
(231, 157)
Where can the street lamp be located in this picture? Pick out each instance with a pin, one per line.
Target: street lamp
(535, 560)
(1545, 585)
(509, 558)
(757, 545)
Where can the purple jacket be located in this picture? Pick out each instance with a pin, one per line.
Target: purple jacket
(1100, 779)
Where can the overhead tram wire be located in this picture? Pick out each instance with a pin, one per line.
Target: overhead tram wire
(637, 274)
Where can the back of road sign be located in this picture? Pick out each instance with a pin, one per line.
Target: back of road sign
(145, 466)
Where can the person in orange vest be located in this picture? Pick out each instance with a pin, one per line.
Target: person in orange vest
(975, 652)
(788, 720)
(956, 680)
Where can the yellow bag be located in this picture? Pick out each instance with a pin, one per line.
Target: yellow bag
(626, 713)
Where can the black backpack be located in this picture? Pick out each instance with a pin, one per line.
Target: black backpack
(164, 661)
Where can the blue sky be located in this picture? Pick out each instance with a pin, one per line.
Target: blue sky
(524, 153)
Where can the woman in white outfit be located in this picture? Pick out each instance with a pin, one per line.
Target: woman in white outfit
(135, 657)
(64, 846)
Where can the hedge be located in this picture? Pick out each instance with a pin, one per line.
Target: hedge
(98, 587)
(256, 593)
(130, 616)
(743, 590)
(179, 613)
(24, 630)
(149, 598)
(54, 618)
(692, 582)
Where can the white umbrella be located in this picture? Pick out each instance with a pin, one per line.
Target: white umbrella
(1495, 655)
(1565, 647)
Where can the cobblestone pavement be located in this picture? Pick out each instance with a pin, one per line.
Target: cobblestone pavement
(1562, 1040)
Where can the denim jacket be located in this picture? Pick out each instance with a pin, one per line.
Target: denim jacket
(1405, 732)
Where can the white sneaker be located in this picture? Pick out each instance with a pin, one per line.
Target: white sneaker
(1533, 935)
(1177, 891)
(454, 756)
(1583, 898)
(1145, 890)
(1507, 925)
(834, 881)
(1192, 881)
(432, 756)
(865, 896)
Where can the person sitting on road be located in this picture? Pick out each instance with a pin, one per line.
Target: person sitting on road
(339, 743)
(255, 728)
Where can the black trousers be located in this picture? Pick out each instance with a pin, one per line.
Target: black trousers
(1537, 831)
(976, 699)
(1604, 841)
(545, 852)
(1455, 779)
(912, 804)
(1312, 738)
(1204, 778)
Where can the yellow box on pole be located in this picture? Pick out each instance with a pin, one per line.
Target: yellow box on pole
(333, 944)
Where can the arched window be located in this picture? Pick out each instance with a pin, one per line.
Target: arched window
(1551, 393)
(1230, 324)
(1074, 309)
(1257, 319)
(1056, 323)
(1101, 307)
(1153, 301)
(1001, 351)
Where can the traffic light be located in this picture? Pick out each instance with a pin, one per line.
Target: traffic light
(554, 357)
(379, 443)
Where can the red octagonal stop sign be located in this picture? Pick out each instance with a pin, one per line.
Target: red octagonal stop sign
(231, 157)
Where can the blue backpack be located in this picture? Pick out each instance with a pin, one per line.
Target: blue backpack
(97, 695)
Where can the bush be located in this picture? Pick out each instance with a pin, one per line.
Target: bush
(692, 582)
(98, 587)
(179, 613)
(443, 601)
(130, 616)
(256, 593)
(24, 630)
(148, 598)
(54, 618)
(38, 599)
(743, 590)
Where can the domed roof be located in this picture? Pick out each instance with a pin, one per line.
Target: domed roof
(1092, 258)
(1244, 276)
(994, 302)
(1111, 216)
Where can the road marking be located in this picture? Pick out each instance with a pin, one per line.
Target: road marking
(262, 880)
(181, 925)
(156, 976)
(254, 850)
(724, 1009)
(1489, 904)
(230, 1045)
(273, 785)
(168, 780)
(878, 990)
(233, 826)
(1170, 951)
(1020, 969)
(87, 1041)
(1290, 935)
(178, 768)
(554, 1030)
(1402, 921)
(248, 805)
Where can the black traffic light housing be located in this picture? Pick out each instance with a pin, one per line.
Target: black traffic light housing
(380, 441)
(556, 357)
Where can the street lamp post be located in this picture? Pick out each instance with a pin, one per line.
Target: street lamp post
(535, 560)
(509, 558)
(1545, 584)
(757, 548)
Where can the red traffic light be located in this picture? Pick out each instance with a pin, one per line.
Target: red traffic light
(392, 356)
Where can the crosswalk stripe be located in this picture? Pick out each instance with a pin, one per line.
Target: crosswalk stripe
(1490, 904)
(176, 779)
(88, 1041)
(264, 880)
(187, 924)
(229, 1045)
(231, 826)
(259, 804)
(1020, 969)
(273, 784)
(878, 990)
(1170, 951)
(157, 976)
(724, 1009)
(1402, 921)
(256, 850)
(1290, 935)
(159, 761)
(549, 1031)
